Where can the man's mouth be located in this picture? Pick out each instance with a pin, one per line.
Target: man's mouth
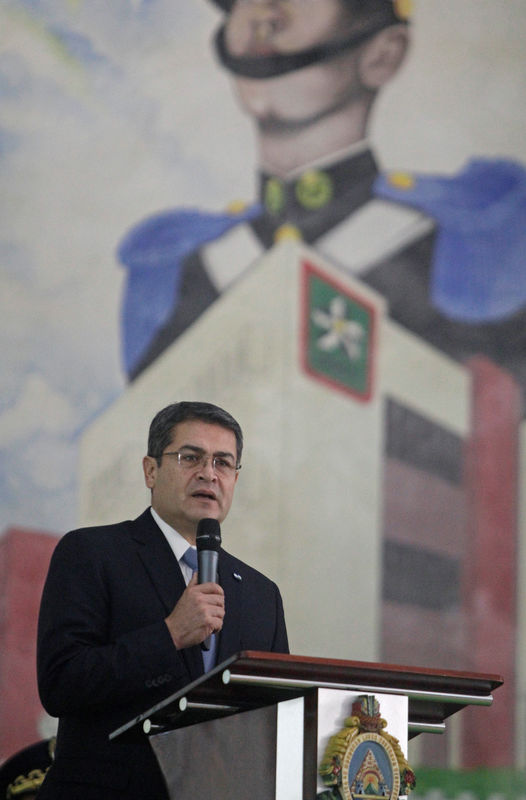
(260, 48)
(205, 494)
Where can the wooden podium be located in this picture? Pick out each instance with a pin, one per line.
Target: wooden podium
(254, 726)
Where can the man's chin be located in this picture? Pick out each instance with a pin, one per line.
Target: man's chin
(205, 508)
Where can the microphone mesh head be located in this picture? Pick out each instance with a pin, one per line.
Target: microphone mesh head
(208, 534)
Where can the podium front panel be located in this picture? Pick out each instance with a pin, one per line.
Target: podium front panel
(233, 757)
(270, 753)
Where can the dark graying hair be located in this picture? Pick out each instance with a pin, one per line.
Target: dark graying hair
(161, 428)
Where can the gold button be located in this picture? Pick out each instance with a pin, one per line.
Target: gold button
(314, 189)
(274, 195)
(287, 232)
(237, 207)
(401, 180)
(403, 8)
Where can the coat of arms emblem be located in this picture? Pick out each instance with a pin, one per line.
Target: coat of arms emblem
(363, 760)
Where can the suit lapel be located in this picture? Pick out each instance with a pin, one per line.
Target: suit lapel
(232, 582)
(164, 572)
(158, 560)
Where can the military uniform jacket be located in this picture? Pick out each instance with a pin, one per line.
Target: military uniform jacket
(447, 252)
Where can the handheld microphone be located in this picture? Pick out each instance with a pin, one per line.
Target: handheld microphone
(208, 542)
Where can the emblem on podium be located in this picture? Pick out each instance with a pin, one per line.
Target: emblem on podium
(363, 761)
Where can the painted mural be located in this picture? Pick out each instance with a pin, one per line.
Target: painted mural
(101, 130)
(152, 150)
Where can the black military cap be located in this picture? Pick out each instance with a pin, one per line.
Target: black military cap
(401, 8)
(24, 772)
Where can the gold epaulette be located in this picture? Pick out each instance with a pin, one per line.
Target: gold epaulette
(26, 783)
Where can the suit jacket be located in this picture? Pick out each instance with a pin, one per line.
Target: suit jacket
(104, 651)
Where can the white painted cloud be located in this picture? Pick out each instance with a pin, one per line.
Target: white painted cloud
(38, 408)
(49, 463)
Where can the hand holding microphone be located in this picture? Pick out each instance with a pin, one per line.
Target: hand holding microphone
(200, 608)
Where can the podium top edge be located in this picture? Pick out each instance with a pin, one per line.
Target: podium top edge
(484, 682)
(297, 675)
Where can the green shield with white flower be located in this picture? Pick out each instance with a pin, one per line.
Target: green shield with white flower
(339, 328)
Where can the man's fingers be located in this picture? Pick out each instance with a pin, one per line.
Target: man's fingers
(198, 613)
(211, 591)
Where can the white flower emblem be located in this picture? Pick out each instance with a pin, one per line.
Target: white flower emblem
(343, 332)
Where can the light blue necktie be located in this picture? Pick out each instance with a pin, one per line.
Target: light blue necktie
(190, 558)
(209, 656)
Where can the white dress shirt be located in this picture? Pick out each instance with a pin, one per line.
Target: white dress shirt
(178, 544)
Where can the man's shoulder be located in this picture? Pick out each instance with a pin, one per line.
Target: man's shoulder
(480, 214)
(98, 535)
(156, 254)
(100, 531)
(162, 240)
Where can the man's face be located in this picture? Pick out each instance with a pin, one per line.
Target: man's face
(183, 496)
(265, 27)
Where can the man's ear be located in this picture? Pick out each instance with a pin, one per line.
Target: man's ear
(149, 466)
(382, 56)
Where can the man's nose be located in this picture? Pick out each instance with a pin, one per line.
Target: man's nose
(207, 469)
(270, 12)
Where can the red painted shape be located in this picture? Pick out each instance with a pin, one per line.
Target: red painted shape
(24, 561)
(491, 557)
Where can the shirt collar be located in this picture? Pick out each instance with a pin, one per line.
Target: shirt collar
(177, 542)
(329, 160)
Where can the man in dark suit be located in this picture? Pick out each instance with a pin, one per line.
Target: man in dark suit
(123, 617)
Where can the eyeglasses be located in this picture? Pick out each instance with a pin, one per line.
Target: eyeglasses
(223, 465)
